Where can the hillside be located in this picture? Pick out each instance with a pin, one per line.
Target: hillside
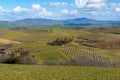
(59, 39)
(86, 46)
(61, 53)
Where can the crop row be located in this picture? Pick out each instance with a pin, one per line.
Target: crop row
(88, 57)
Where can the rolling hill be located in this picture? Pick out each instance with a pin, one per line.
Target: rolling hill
(73, 61)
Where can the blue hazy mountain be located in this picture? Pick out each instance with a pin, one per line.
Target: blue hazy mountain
(90, 22)
(38, 22)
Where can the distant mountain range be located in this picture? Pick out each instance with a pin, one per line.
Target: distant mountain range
(77, 22)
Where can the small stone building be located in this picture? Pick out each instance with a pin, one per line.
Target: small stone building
(2, 52)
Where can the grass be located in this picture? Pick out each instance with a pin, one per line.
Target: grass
(36, 43)
(8, 34)
(115, 54)
(29, 72)
(53, 55)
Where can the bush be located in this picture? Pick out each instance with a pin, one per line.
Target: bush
(24, 58)
(27, 60)
(3, 59)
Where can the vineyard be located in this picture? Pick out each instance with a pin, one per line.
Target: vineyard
(88, 57)
(70, 60)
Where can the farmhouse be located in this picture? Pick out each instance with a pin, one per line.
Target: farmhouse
(4, 52)
(17, 53)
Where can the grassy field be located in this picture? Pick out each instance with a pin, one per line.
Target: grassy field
(35, 40)
(83, 48)
(29, 72)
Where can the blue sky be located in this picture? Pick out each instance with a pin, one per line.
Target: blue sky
(59, 9)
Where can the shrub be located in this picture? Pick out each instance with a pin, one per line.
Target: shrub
(27, 60)
(24, 58)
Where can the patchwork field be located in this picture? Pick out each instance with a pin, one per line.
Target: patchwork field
(36, 40)
(63, 54)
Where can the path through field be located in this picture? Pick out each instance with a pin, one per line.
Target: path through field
(6, 41)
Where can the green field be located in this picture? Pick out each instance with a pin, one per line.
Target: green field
(36, 41)
(92, 55)
(22, 72)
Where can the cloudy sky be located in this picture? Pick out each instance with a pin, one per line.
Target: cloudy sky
(59, 9)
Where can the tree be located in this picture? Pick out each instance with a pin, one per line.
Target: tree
(62, 41)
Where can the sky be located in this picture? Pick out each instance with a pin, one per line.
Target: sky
(11, 10)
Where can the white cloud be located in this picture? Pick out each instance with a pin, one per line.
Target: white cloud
(96, 1)
(69, 12)
(94, 13)
(39, 11)
(19, 9)
(114, 5)
(90, 4)
(96, 6)
(65, 11)
(36, 11)
(99, 13)
(57, 4)
(44, 13)
(1, 8)
(117, 9)
(36, 6)
(74, 12)
(80, 3)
